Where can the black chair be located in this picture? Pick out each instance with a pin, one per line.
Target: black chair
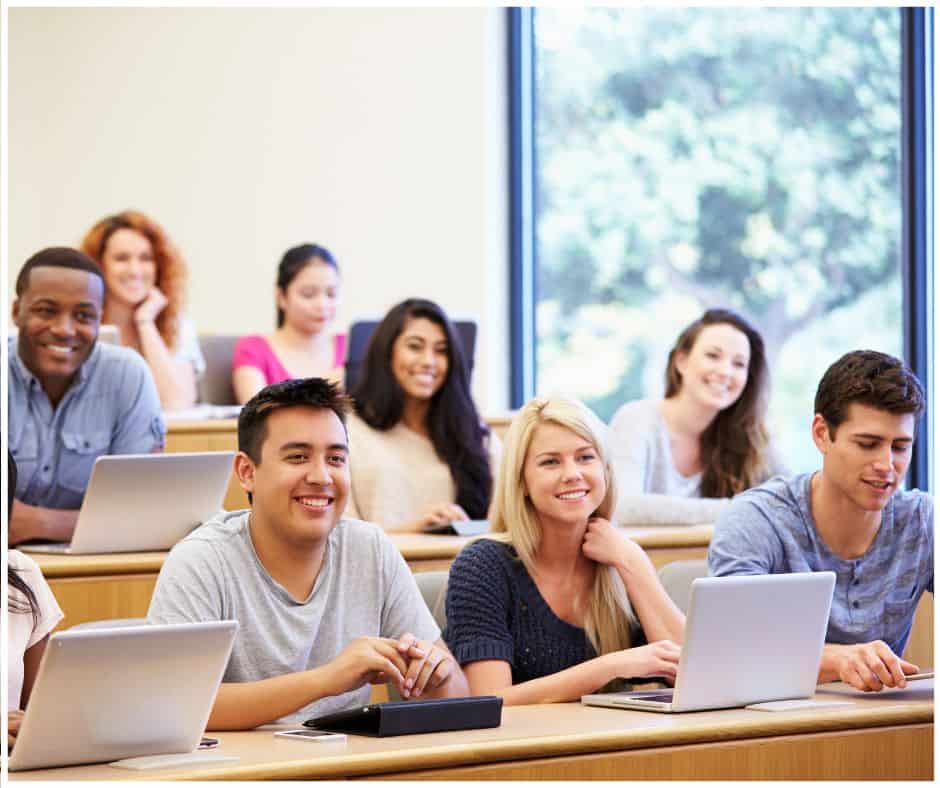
(361, 332)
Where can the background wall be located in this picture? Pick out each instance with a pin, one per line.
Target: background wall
(380, 133)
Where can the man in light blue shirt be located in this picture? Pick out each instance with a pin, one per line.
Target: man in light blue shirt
(850, 518)
(71, 399)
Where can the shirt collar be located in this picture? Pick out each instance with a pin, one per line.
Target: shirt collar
(23, 372)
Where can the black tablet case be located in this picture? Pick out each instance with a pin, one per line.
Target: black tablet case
(398, 718)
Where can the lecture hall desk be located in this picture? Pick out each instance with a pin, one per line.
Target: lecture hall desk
(877, 737)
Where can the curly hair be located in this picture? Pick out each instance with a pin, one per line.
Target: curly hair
(171, 268)
(734, 447)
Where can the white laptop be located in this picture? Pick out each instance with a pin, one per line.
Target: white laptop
(748, 639)
(138, 502)
(107, 694)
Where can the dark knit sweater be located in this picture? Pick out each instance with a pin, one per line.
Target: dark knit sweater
(495, 611)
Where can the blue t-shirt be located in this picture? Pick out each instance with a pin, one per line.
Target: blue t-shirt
(112, 407)
(770, 529)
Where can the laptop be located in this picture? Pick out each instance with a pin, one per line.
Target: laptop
(139, 502)
(106, 694)
(748, 639)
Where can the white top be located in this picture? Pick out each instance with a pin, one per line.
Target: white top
(24, 633)
(396, 474)
(188, 346)
(651, 490)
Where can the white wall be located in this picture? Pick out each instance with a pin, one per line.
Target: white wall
(380, 133)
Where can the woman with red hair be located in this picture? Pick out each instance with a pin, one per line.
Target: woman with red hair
(145, 280)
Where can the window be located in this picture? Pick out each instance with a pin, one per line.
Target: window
(697, 157)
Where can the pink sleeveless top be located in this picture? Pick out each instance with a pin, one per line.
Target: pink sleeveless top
(254, 351)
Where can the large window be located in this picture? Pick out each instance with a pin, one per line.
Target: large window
(687, 158)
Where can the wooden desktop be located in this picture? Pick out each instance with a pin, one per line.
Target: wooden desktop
(878, 737)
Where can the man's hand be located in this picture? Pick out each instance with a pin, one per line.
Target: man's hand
(36, 522)
(867, 666)
(429, 666)
(367, 660)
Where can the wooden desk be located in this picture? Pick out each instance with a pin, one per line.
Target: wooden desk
(876, 738)
(94, 587)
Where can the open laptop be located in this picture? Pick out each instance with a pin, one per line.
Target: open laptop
(138, 502)
(106, 694)
(748, 639)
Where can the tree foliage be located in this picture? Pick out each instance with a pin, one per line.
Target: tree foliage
(744, 157)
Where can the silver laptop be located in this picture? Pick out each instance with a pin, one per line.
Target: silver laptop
(106, 694)
(138, 502)
(748, 639)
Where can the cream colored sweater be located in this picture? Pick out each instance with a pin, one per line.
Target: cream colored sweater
(396, 474)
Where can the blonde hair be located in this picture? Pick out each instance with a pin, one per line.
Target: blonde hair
(513, 519)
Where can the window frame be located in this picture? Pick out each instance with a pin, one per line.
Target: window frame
(917, 178)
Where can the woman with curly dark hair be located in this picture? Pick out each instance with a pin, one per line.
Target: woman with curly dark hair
(419, 453)
(32, 613)
(145, 281)
(680, 459)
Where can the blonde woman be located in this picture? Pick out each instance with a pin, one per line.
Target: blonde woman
(556, 602)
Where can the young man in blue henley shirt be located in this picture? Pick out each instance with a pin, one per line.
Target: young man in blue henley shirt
(850, 517)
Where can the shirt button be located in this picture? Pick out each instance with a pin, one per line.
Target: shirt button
(45, 469)
(855, 604)
(855, 582)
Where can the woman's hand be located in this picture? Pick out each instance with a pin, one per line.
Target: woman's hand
(607, 544)
(656, 659)
(151, 306)
(14, 720)
(442, 513)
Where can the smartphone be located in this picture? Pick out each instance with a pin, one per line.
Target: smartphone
(311, 734)
(918, 676)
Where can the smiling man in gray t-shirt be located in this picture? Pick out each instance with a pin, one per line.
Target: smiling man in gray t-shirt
(850, 518)
(325, 606)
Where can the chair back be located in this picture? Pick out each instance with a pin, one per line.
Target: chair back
(215, 385)
(677, 579)
(433, 588)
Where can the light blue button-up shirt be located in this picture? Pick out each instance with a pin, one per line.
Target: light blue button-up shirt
(112, 407)
(770, 529)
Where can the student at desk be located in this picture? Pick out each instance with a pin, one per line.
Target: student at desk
(302, 345)
(850, 517)
(145, 279)
(558, 602)
(325, 605)
(421, 456)
(32, 613)
(680, 459)
(71, 399)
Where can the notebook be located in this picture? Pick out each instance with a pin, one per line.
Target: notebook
(105, 694)
(748, 639)
(138, 502)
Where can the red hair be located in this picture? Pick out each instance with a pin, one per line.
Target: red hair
(171, 269)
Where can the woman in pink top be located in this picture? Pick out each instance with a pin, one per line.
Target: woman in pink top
(302, 345)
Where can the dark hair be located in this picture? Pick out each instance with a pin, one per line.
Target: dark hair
(14, 581)
(294, 261)
(733, 447)
(453, 422)
(868, 378)
(58, 257)
(302, 392)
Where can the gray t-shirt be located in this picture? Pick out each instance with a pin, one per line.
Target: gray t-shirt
(364, 589)
(770, 529)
